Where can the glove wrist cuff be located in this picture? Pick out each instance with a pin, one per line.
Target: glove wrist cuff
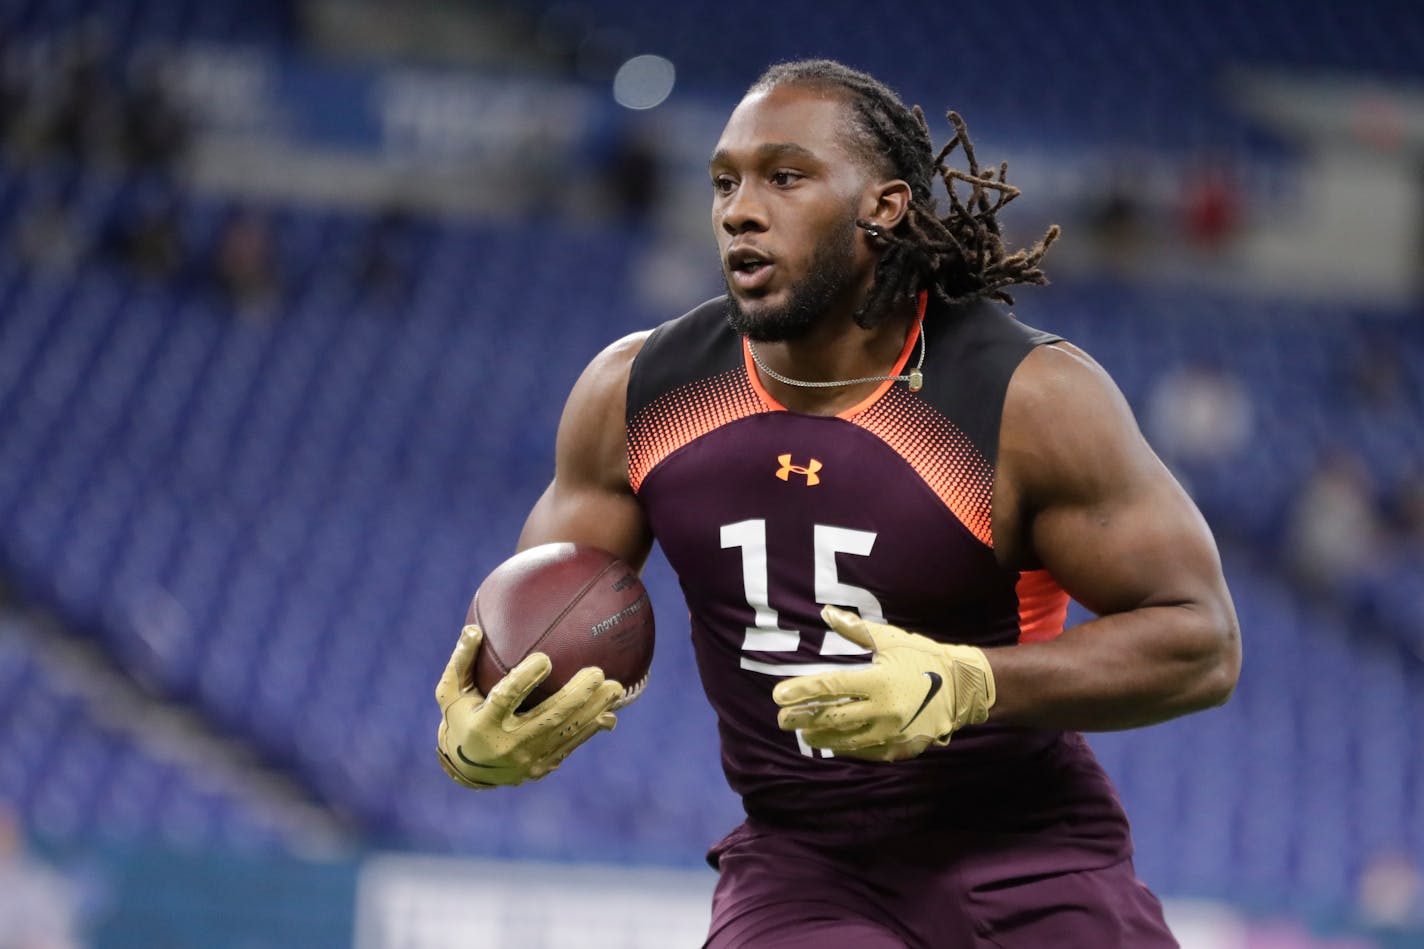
(974, 690)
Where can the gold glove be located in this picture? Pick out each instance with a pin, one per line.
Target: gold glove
(916, 692)
(484, 743)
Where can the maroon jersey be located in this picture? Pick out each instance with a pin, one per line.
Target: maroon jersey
(767, 514)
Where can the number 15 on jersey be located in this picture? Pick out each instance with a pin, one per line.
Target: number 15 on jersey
(766, 634)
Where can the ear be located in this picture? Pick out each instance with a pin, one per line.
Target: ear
(891, 202)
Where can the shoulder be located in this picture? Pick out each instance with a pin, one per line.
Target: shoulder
(1068, 439)
(1060, 381)
(707, 318)
(1068, 430)
(597, 398)
(973, 351)
(698, 344)
(607, 373)
(618, 374)
(696, 333)
(985, 335)
(589, 444)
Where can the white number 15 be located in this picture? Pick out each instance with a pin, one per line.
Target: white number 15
(767, 635)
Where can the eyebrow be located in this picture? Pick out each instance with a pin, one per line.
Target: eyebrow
(767, 150)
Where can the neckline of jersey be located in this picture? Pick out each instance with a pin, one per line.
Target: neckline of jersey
(910, 339)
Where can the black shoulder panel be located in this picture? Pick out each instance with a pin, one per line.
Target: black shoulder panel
(694, 346)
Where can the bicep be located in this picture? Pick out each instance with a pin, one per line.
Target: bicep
(1102, 514)
(1142, 544)
(590, 500)
(1087, 499)
(584, 514)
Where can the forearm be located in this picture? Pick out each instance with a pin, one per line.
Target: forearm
(1119, 671)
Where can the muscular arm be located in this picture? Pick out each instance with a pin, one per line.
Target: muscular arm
(1079, 492)
(590, 500)
(483, 740)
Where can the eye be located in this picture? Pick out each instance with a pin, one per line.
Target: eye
(783, 179)
(723, 184)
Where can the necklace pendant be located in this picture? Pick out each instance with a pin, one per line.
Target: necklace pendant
(917, 380)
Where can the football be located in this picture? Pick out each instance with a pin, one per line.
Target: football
(579, 605)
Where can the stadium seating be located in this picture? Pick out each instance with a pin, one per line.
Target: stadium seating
(1147, 76)
(1091, 73)
(54, 741)
(134, 23)
(278, 521)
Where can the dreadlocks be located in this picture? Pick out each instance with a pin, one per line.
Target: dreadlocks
(958, 257)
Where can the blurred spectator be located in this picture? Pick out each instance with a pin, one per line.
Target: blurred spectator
(1199, 413)
(632, 175)
(1391, 891)
(46, 237)
(244, 266)
(1407, 511)
(29, 83)
(155, 132)
(1211, 206)
(14, 96)
(85, 113)
(1334, 532)
(1390, 599)
(152, 245)
(38, 906)
(1116, 227)
(383, 268)
(1376, 375)
(68, 100)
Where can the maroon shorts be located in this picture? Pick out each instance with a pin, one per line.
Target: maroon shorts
(780, 892)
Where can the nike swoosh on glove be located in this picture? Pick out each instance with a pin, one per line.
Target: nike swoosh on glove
(484, 743)
(915, 693)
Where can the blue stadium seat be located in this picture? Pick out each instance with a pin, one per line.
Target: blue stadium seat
(281, 524)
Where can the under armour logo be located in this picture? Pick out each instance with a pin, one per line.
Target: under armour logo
(787, 469)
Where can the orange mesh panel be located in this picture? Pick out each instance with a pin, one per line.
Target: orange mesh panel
(939, 452)
(681, 416)
(1043, 606)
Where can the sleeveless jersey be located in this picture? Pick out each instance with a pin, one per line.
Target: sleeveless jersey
(767, 514)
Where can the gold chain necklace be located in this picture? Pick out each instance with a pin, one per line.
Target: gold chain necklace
(915, 377)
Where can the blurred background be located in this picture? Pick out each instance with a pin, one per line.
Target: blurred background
(290, 297)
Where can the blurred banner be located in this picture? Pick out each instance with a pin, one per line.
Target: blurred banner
(418, 902)
(444, 141)
(247, 92)
(139, 898)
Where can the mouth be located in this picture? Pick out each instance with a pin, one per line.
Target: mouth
(748, 268)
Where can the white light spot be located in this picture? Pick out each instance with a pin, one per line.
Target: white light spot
(643, 82)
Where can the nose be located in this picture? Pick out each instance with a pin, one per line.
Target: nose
(743, 211)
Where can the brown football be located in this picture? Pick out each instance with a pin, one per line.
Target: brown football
(580, 606)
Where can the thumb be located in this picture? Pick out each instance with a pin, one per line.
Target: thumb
(850, 625)
(459, 671)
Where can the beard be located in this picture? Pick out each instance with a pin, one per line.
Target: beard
(829, 279)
